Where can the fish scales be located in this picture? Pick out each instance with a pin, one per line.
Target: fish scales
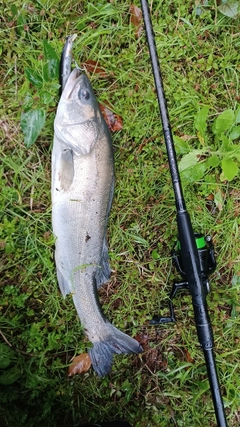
(82, 192)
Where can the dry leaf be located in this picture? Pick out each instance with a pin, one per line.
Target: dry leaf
(136, 19)
(210, 204)
(80, 364)
(114, 122)
(94, 67)
(47, 235)
(188, 356)
(143, 339)
(187, 137)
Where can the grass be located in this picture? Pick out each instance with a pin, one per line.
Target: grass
(167, 385)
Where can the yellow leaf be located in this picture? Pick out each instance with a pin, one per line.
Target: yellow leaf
(80, 364)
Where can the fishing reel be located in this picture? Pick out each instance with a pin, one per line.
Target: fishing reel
(207, 261)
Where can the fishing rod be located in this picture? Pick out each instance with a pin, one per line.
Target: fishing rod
(193, 254)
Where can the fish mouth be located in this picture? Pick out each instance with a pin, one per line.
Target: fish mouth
(73, 80)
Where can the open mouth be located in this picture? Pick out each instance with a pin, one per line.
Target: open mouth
(72, 81)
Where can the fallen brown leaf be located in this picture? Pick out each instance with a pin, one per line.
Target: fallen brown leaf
(114, 122)
(136, 19)
(94, 67)
(143, 339)
(80, 364)
(188, 356)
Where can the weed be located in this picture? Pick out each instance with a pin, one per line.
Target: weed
(210, 156)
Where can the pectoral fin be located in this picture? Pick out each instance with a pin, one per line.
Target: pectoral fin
(66, 170)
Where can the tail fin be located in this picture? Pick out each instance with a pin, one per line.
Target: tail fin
(117, 342)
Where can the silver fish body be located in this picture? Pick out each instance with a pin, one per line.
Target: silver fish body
(82, 192)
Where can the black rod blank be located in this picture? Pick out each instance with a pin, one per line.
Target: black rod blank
(163, 109)
(190, 257)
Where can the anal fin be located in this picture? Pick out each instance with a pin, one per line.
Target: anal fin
(104, 272)
(63, 284)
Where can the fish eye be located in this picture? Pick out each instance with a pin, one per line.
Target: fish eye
(84, 94)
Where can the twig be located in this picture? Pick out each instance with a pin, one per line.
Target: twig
(31, 198)
(5, 339)
(14, 348)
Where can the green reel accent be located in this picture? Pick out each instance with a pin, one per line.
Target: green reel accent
(200, 242)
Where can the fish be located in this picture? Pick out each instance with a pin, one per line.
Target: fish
(82, 190)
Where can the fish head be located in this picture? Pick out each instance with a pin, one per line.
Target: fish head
(78, 120)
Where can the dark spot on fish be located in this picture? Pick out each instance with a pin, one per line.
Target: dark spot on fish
(57, 189)
(84, 94)
(87, 238)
